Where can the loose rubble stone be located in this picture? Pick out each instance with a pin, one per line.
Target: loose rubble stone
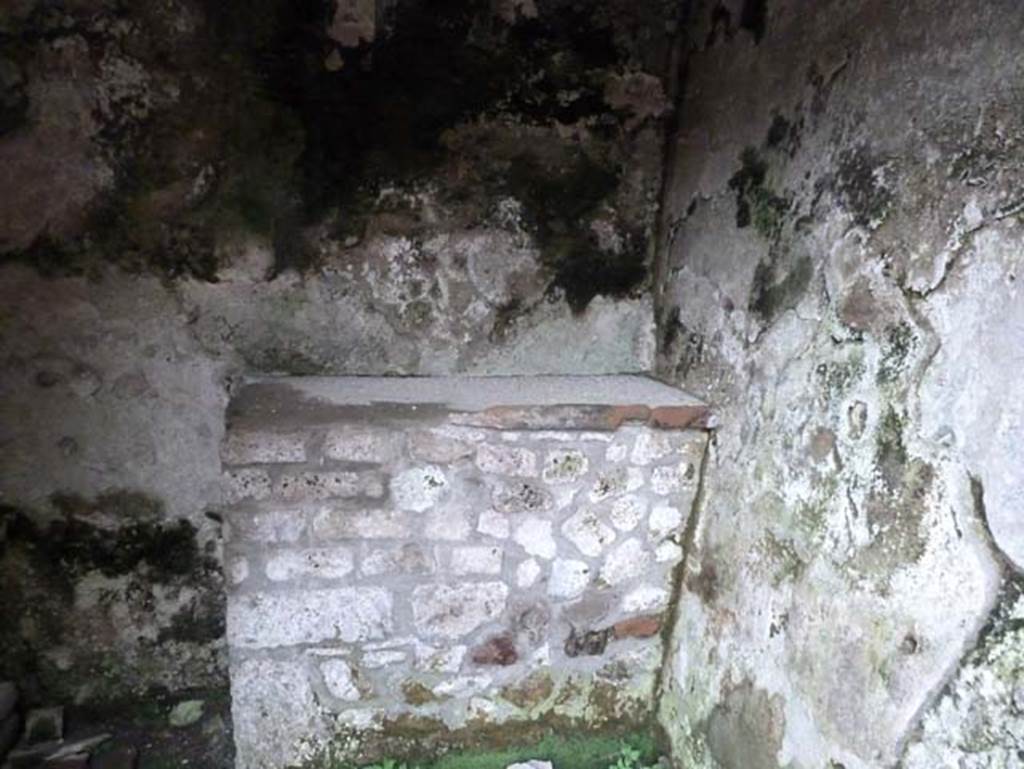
(452, 612)
(420, 488)
(535, 535)
(532, 764)
(44, 725)
(186, 713)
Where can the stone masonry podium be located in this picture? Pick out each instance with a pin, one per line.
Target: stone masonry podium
(414, 562)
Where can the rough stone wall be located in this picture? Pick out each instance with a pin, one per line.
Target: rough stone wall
(393, 187)
(197, 189)
(404, 580)
(841, 281)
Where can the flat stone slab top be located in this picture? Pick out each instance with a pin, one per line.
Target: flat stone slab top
(510, 402)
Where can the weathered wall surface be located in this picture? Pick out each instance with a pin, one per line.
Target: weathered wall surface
(470, 187)
(844, 246)
(197, 189)
(110, 417)
(403, 579)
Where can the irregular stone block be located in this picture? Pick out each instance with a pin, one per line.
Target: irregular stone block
(349, 614)
(527, 573)
(362, 444)
(419, 488)
(568, 579)
(521, 497)
(339, 524)
(431, 659)
(671, 480)
(506, 460)
(382, 658)
(476, 560)
(398, 559)
(186, 713)
(237, 570)
(274, 713)
(246, 483)
(645, 598)
(251, 448)
(447, 523)
(627, 512)
(493, 524)
(665, 521)
(435, 446)
(565, 466)
(277, 526)
(321, 563)
(615, 482)
(44, 725)
(535, 536)
(627, 561)
(314, 486)
(588, 533)
(654, 445)
(667, 552)
(339, 680)
(452, 612)
(587, 643)
(497, 650)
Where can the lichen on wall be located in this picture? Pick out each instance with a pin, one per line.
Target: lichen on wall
(833, 239)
